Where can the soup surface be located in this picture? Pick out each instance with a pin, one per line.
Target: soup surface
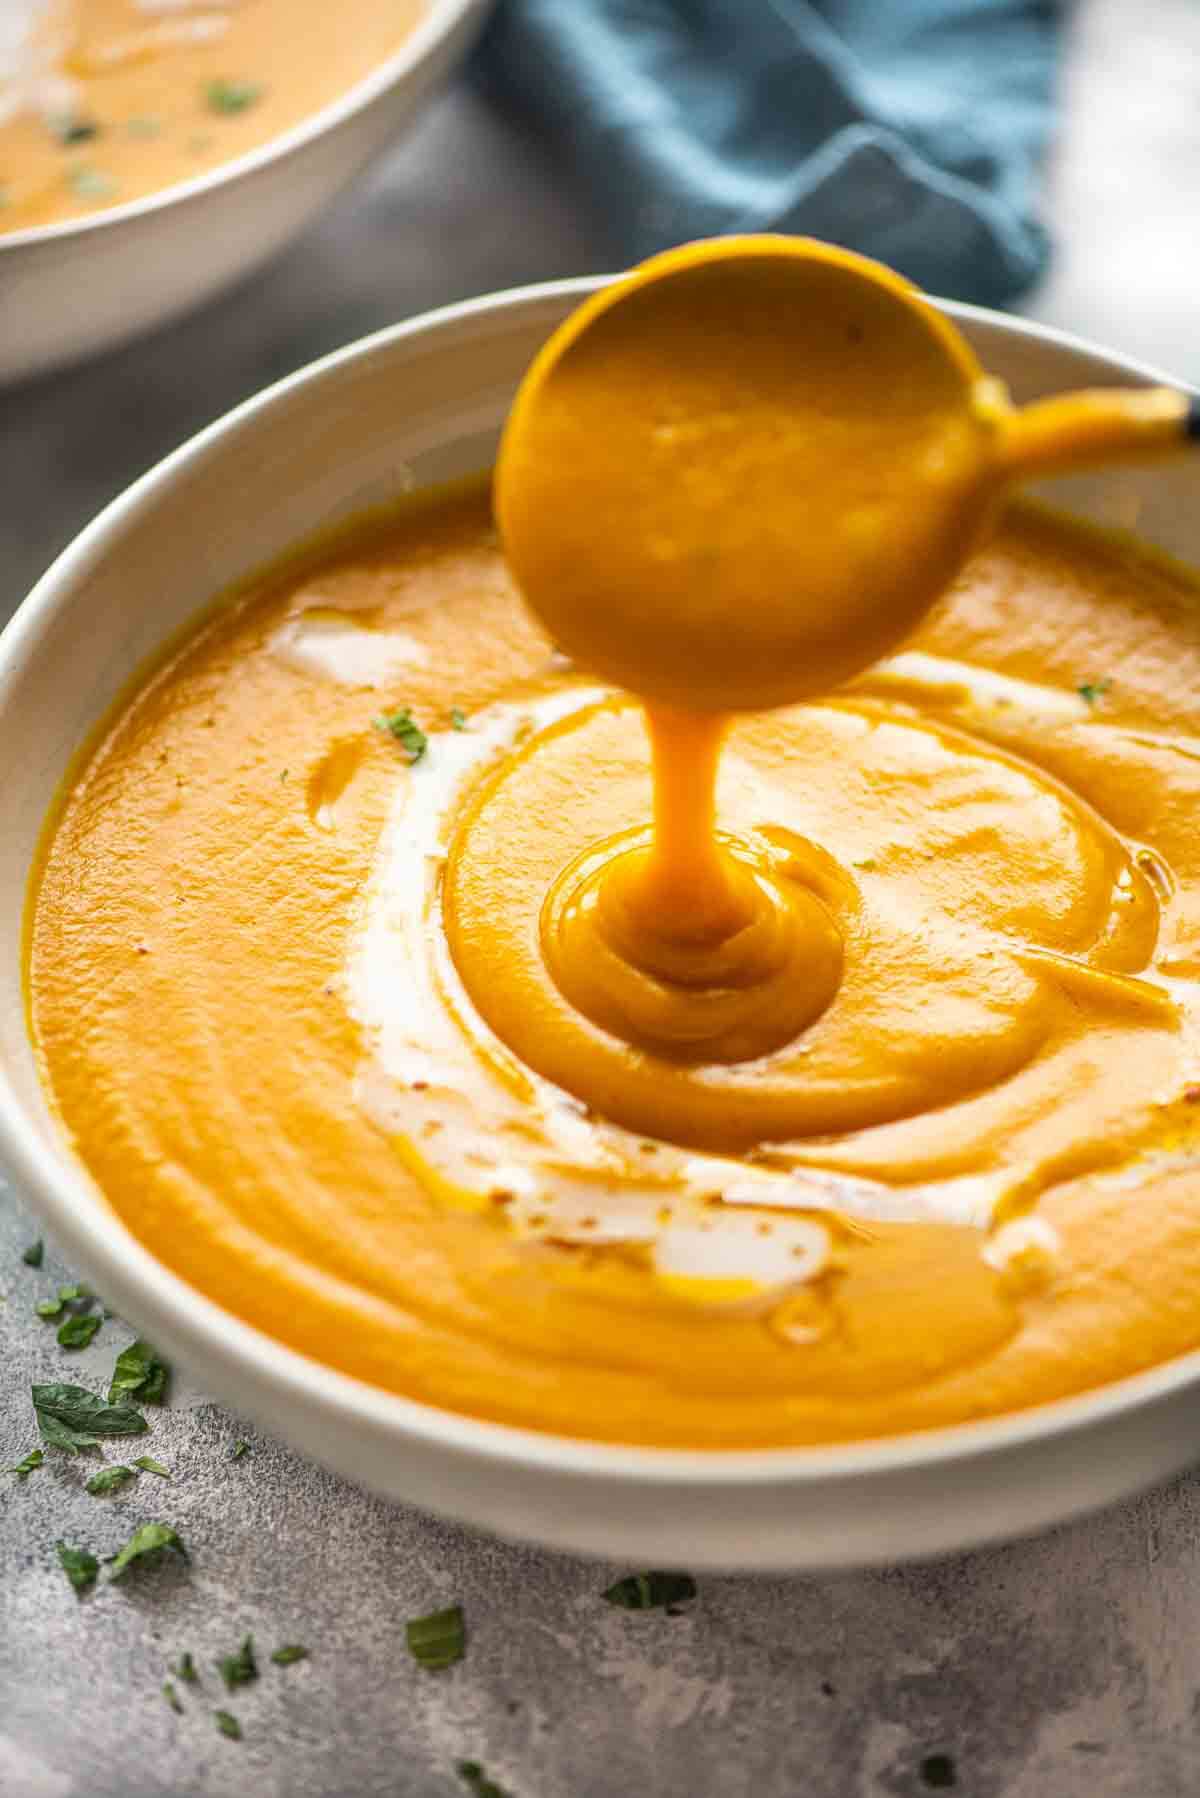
(103, 101)
(292, 984)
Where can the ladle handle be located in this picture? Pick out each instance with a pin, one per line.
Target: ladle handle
(1095, 426)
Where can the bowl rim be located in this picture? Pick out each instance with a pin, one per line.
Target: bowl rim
(63, 1193)
(438, 22)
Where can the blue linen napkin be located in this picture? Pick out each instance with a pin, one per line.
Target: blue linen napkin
(907, 129)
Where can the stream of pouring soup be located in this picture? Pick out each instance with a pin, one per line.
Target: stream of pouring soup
(290, 1002)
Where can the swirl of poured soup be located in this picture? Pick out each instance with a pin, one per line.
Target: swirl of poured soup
(104, 101)
(342, 986)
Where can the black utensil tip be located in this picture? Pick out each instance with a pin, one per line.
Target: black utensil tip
(1191, 423)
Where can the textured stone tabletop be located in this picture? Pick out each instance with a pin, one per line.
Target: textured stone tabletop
(1067, 1667)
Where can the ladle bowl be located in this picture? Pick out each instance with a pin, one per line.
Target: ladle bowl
(743, 473)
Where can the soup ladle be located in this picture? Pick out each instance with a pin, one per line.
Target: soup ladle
(742, 474)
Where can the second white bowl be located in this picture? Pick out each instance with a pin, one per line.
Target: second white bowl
(72, 289)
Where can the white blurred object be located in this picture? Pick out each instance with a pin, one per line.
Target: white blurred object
(1122, 181)
(35, 35)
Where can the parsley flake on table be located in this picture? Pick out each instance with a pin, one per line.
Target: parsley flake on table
(79, 1566)
(437, 1641)
(228, 1725)
(477, 1781)
(145, 1541)
(172, 1697)
(35, 1254)
(232, 96)
(73, 1294)
(148, 1464)
(24, 1468)
(185, 1669)
(72, 1418)
(1092, 690)
(240, 1668)
(238, 1450)
(109, 1479)
(651, 1591)
(140, 1373)
(77, 1332)
(408, 733)
(49, 1307)
(289, 1654)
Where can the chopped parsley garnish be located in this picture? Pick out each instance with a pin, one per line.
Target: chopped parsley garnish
(228, 1725)
(49, 1307)
(185, 1669)
(477, 1781)
(408, 733)
(91, 184)
(69, 128)
(289, 1654)
(172, 1697)
(1092, 690)
(232, 96)
(238, 1450)
(145, 1541)
(240, 1668)
(72, 1418)
(109, 1479)
(78, 1331)
(458, 718)
(139, 1373)
(24, 1468)
(35, 1254)
(71, 1295)
(651, 1591)
(438, 1640)
(148, 1464)
(79, 1566)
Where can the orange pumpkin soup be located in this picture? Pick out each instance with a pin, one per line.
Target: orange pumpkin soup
(103, 101)
(306, 989)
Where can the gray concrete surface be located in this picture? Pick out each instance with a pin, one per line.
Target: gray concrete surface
(1068, 1667)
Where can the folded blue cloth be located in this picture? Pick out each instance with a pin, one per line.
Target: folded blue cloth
(908, 129)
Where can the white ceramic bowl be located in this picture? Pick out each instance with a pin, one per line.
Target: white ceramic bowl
(418, 404)
(72, 289)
